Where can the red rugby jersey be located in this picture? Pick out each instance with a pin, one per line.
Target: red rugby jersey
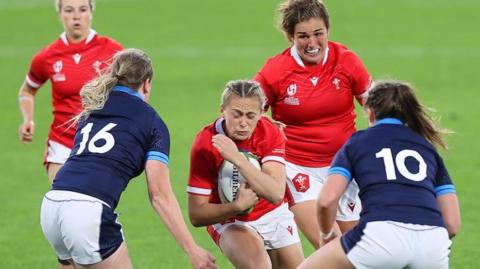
(69, 66)
(314, 101)
(266, 143)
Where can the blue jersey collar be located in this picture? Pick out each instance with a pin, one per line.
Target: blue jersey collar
(119, 88)
(388, 121)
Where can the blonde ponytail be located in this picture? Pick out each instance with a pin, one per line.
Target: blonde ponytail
(130, 68)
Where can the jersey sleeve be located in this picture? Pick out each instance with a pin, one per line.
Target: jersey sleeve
(443, 183)
(360, 78)
(266, 87)
(160, 146)
(37, 75)
(202, 169)
(341, 163)
(275, 150)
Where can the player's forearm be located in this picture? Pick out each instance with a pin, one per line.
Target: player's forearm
(326, 215)
(209, 213)
(263, 184)
(26, 99)
(450, 210)
(168, 209)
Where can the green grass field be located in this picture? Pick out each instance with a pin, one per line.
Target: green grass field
(197, 46)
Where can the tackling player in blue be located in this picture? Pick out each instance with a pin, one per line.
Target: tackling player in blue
(119, 135)
(410, 209)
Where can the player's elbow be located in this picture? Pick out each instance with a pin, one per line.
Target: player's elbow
(277, 198)
(274, 199)
(195, 217)
(277, 195)
(324, 202)
(453, 226)
(195, 220)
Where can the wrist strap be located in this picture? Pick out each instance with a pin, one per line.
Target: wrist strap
(23, 97)
(326, 236)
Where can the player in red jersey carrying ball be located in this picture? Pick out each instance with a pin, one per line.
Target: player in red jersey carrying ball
(266, 237)
(310, 87)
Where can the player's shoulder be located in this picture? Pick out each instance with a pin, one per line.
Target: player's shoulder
(206, 133)
(276, 65)
(342, 53)
(109, 42)
(358, 136)
(266, 128)
(54, 47)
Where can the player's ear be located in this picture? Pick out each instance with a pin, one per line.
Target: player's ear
(370, 116)
(290, 38)
(146, 88)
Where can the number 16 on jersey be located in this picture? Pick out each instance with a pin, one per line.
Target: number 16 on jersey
(103, 134)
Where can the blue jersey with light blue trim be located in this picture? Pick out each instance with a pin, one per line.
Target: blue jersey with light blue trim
(112, 145)
(399, 174)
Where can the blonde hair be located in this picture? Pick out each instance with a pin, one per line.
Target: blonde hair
(397, 99)
(130, 68)
(58, 5)
(243, 88)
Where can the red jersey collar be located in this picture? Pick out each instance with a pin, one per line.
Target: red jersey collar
(298, 59)
(89, 38)
(219, 127)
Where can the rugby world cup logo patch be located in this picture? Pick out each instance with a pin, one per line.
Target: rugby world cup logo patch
(57, 66)
(290, 99)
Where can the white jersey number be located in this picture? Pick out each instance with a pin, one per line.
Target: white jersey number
(103, 134)
(386, 155)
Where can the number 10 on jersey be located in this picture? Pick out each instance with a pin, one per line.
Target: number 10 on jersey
(386, 155)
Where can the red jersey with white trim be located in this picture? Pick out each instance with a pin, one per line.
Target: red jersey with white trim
(69, 66)
(314, 101)
(266, 143)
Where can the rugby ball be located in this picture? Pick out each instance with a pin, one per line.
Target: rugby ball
(229, 178)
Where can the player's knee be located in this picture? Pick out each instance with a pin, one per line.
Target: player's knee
(257, 262)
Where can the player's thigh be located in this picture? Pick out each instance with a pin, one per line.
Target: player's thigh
(286, 257)
(346, 226)
(432, 250)
(329, 256)
(52, 169)
(51, 227)
(378, 245)
(304, 183)
(118, 260)
(244, 247)
(89, 228)
(349, 207)
(305, 217)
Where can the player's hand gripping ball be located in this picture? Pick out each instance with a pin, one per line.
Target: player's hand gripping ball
(229, 179)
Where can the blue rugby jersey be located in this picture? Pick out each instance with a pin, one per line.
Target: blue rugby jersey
(112, 145)
(399, 174)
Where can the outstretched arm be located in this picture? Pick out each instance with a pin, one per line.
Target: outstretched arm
(166, 205)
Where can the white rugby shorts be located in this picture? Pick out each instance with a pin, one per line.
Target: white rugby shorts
(56, 152)
(277, 228)
(80, 227)
(305, 184)
(390, 244)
